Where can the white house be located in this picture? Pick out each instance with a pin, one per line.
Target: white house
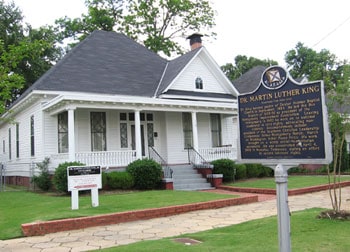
(111, 101)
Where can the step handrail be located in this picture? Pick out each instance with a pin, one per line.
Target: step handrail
(153, 154)
(197, 160)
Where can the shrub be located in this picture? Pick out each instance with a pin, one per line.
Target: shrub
(241, 171)
(252, 170)
(43, 180)
(147, 173)
(120, 180)
(104, 180)
(224, 167)
(60, 176)
(265, 171)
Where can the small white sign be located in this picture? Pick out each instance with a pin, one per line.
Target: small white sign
(84, 178)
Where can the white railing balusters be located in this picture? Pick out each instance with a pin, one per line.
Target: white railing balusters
(215, 153)
(106, 158)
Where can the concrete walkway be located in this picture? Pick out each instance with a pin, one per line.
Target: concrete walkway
(125, 233)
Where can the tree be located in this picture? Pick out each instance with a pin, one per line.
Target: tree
(155, 23)
(11, 28)
(9, 81)
(243, 64)
(305, 62)
(25, 53)
(339, 108)
(158, 22)
(103, 15)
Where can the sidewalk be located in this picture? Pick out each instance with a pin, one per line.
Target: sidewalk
(125, 233)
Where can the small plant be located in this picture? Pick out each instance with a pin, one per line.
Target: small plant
(120, 180)
(43, 180)
(60, 176)
(224, 167)
(241, 171)
(147, 173)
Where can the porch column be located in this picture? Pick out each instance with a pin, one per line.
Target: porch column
(195, 131)
(71, 139)
(138, 135)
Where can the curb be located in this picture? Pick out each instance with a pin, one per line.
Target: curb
(291, 192)
(46, 227)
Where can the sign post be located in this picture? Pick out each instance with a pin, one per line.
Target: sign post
(84, 178)
(283, 124)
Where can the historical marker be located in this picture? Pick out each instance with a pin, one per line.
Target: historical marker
(283, 124)
(284, 120)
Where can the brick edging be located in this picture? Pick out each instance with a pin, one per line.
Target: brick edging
(290, 192)
(41, 228)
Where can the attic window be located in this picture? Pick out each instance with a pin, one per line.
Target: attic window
(199, 83)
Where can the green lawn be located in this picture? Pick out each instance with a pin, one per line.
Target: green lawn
(21, 207)
(307, 234)
(294, 182)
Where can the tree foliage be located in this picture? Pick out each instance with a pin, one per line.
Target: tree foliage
(158, 22)
(306, 62)
(25, 53)
(339, 111)
(243, 64)
(103, 15)
(154, 23)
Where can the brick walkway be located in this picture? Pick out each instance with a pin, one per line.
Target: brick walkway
(158, 228)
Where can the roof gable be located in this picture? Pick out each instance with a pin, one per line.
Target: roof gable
(182, 72)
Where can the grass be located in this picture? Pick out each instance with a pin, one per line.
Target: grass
(307, 234)
(17, 208)
(294, 182)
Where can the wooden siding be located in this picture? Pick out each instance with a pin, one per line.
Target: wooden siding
(197, 68)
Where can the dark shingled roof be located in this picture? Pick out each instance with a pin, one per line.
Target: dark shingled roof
(106, 62)
(250, 80)
(112, 63)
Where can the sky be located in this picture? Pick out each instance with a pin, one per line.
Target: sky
(264, 29)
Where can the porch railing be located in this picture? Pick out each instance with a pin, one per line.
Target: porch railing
(153, 154)
(225, 152)
(197, 160)
(106, 158)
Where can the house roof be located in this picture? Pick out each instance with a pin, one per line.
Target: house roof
(121, 66)
(114, 64)
(250, 80)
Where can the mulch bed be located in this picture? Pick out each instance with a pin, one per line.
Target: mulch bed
(335, 215)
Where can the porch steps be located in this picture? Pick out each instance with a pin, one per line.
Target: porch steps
(187, 178)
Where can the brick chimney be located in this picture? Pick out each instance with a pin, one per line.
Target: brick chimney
(195, 40)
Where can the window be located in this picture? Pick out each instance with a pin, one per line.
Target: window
(10, 144)
(150, 134)
(150, 117)
(98, 131)
(215, 130)
(122, 116)
(187, 129)
(3, 147)
(32, 143)
(199, 83)
(123, 135)
(62, 121)
(17, 140)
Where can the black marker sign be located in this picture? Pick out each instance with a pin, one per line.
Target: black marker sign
(283, 120)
